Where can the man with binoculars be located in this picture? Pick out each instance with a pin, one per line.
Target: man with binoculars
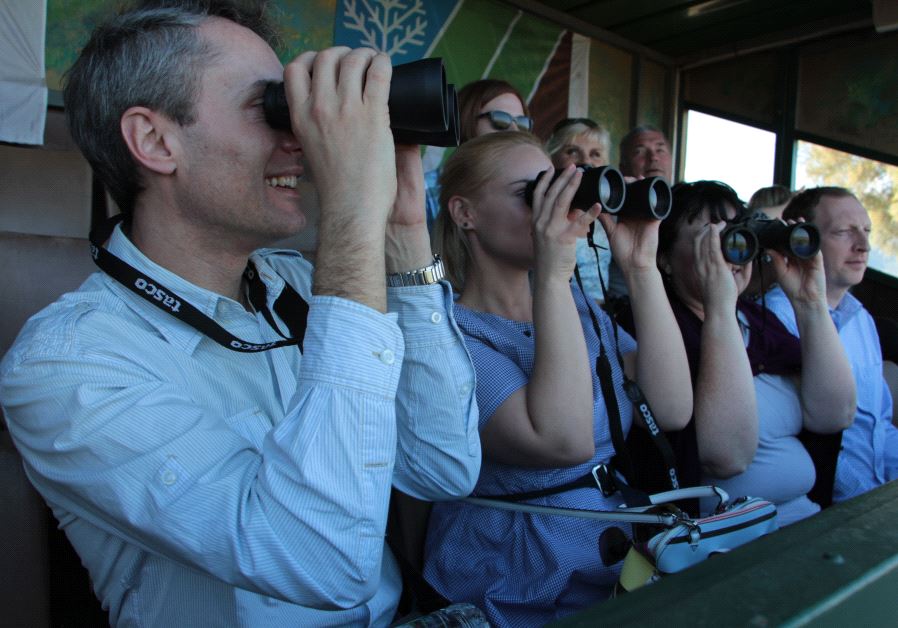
(869, 452)
(216, 425)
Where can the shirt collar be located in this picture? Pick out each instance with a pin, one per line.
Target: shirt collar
(845, 310)
(174, 330)
(274, 283)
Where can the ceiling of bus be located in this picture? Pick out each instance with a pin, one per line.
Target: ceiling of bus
(690, 28)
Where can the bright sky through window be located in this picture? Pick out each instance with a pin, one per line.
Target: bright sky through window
(737, 154)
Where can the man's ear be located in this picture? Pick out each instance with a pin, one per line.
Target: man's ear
(151, 139)
(461, 212)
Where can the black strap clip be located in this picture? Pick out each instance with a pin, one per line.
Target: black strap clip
(605, 481)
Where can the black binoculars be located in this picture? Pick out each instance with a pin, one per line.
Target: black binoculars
(646, 198)
(742, 240)
(423, 107)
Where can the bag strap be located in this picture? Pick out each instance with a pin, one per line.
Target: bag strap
(667, 519)
(636, 514)
(600, 476)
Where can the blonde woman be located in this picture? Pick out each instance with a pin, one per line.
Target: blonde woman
(582, 141)
(543, 416)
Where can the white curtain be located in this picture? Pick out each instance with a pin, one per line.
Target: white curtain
(23, 85)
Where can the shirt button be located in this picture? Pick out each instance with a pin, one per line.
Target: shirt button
(465, 389)
(169, 477)
(436, 317)
(387, 357)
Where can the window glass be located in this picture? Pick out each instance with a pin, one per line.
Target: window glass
(873, 182)
(737, 154)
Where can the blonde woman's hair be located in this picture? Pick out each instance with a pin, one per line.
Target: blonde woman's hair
(564, 134)
(474, 164)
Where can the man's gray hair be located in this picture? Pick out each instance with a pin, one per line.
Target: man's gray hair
(630, 137)
(151, 56)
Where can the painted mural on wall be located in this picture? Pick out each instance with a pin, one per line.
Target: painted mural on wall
(304, 25)
(476, 39)
(403, 29)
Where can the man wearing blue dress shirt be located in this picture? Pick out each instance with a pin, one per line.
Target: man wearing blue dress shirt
(213, 460)
(869, 454)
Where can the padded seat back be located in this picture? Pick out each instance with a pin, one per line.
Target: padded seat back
(36, 271)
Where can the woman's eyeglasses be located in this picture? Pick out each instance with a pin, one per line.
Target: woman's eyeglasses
(502, 120)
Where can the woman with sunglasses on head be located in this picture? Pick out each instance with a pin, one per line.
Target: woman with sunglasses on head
(484, 106)
(581, 141)
(755, 386)
(543, 416)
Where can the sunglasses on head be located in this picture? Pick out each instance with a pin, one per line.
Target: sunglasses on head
(592, 124)
(502, 120)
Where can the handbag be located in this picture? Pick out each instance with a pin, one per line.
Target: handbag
(691, 541)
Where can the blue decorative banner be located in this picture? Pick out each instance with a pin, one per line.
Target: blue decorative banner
(404, 29)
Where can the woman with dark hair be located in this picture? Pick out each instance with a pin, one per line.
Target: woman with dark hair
(484, 106)
(491, 105)
(535, 341)
(756, 387)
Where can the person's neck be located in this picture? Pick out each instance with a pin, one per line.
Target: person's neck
(696, 306)
(834, 297)
(208, 262)
(501, 291)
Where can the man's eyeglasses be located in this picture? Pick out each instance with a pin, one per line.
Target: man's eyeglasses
(502, 120)
(592, 124)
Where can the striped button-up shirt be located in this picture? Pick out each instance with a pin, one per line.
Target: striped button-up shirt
(202, 486)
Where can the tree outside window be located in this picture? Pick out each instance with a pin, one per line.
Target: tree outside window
(874, 183)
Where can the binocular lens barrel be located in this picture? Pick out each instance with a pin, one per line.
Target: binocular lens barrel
(741, 243)
(604, 185)
(649, 198)
(803, 241)
(423, 107)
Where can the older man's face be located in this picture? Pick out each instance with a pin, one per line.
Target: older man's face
(647, 156)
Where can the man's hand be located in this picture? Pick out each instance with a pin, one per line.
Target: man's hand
(407, 241)
(338, 110)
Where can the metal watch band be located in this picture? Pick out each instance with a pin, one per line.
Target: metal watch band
(419, 277)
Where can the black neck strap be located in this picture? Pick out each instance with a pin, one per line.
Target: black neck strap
(289, 306)
(622, 460)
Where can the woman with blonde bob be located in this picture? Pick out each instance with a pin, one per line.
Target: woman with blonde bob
(582, 141)
(543, 417)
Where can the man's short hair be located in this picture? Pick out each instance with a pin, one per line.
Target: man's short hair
(634, 133)
(804, 204)
(770, 196)
(151, 56)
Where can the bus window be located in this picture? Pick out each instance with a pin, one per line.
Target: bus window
(737, 154)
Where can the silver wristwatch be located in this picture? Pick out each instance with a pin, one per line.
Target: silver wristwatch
(420, 277)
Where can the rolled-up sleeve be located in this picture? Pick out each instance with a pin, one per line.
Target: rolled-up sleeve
(438, 453)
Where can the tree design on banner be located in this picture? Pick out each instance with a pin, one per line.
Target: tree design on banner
(403, 29)
(387, 26)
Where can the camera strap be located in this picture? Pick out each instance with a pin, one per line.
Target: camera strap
(289, 306)
(631, 388)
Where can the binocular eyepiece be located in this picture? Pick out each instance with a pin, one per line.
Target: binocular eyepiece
(423, 107)
(649, 198)
(741, 241)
